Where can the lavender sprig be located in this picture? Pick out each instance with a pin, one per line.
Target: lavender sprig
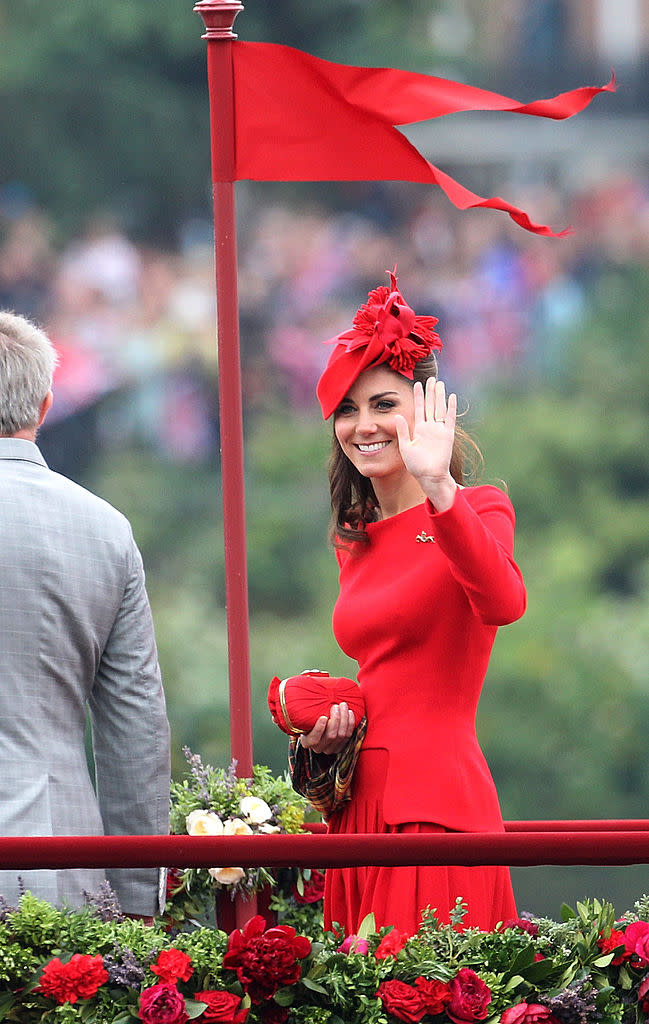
(231, 778)
(104, 903)
(575, 1005)
(5, 909)
(124, 968)
(200, 773)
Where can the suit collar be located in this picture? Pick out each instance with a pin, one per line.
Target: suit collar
(17, 448)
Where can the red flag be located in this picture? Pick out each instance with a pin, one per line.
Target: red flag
(299, 118)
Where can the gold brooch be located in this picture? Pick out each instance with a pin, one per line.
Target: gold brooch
(424, 538)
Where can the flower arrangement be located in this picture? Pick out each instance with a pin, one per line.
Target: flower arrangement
(59, 967)
(214, 801)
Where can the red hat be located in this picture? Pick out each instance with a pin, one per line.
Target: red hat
(386, 330)
(297, 703)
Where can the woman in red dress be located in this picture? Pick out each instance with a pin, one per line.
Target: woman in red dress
(426, 577)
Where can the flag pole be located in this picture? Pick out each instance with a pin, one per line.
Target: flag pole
(218, 17)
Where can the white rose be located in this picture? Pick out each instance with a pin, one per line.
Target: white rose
(269, 829)
(204, 823)
(255, 810)
(226, 876)
(236, 827)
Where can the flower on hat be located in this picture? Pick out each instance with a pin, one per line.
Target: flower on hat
(385, 330)
(405, 337)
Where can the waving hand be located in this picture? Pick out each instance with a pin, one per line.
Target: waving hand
(427, 454)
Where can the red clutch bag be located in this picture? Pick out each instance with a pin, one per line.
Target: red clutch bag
(298, 702)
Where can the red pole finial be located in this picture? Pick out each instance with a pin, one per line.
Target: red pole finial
(218, 17)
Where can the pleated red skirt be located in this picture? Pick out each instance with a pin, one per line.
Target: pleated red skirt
(397, 895)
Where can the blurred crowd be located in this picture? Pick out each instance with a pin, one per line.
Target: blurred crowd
(135, 326)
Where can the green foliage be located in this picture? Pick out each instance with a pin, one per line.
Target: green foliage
(106, 95)
(554, 964)
(579, 478)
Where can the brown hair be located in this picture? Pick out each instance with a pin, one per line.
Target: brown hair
(353, 501)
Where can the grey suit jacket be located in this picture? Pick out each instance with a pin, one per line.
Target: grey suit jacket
(76, 633)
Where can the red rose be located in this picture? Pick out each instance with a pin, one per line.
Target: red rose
(162, 1004)
(643, 995)
(636, 941)
(264, 960)
(614, 941)
(173, 966)
(222, 1006)
(401, 1000)
(435, 994)
(470, 997)
(522, 924)
(391, 944)
(528, 1013)
(313, 889)
(78, 979)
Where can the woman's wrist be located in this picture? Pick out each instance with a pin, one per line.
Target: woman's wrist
(440, 493)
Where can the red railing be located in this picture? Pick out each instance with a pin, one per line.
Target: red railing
(524, 843)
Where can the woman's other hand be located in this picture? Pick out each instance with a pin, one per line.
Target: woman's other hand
(330, 735)
(427, 454)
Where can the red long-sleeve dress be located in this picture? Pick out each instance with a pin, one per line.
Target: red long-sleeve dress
(418, 609)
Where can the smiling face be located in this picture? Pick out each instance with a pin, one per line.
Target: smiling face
(364, 422)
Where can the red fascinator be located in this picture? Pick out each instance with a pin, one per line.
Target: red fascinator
(298, 702)
(385, 330)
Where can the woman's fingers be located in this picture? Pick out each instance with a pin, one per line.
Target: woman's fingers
(430, 398)
(310, 740)
(351, 724)
(403, 434)
(439, 408)
(329, 735)
(451, 411)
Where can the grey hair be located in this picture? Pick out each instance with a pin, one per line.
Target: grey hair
(27, 362)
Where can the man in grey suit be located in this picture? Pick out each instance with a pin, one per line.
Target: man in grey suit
(76, 634)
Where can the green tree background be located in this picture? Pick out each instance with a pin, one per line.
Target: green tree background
(106, 105)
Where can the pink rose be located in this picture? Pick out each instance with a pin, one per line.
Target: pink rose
(528, 1013)
(162, 1004)
(636, 940)
(470, 997)
(354, 944)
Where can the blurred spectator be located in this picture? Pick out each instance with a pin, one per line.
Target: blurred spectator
(26, 261)
(136, 326)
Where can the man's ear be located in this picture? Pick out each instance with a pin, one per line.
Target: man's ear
(45, 407)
